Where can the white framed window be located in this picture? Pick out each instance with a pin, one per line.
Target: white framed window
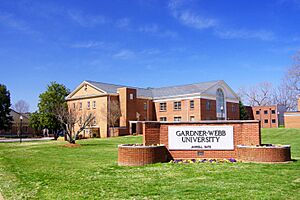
(220, 104)
(94, 104)
(207, 105)
(80, 105)
(192, 104)
(192, 118)
(162, 119)
(177, 105)
(163, 106)
(130, 96)
(177, 119)
(88, 105)
(74, 106)
(145, 106)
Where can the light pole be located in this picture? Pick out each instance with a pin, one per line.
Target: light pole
(21, 119)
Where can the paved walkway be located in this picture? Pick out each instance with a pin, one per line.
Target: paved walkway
(25, 140)
(1, 197)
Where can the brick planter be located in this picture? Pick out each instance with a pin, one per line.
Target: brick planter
(134, 155)
(271, 154)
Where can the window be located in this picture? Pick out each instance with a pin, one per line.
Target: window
(145, 106)
(220, 104)
(265, 112)
(233, 108)
(257, 112)
(162, 119)
(80, 105)
(131, 96)
(177, 119)
(94, 104)
(207, 105)
(177, 105)
(273, 121)
(192, 104)
(74, 105)
(266, 121)
(163, 106)
(85, 88)
(273, 112)
(192, 118)
(88, 105)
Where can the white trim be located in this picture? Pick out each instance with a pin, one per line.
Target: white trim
(296, 114)
(81, 85)
(185, 97)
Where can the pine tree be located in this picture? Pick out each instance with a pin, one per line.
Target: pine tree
(5, 118)
(244, 115)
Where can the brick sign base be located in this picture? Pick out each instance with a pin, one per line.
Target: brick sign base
(246, 144)
(270, 154)
(131, 155)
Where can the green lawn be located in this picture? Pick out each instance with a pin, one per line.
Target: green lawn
(46, 170)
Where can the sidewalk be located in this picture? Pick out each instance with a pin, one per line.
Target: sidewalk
(25, 140)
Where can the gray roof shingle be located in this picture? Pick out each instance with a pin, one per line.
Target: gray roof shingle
(158, 92)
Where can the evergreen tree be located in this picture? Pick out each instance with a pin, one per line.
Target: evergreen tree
(244, 115)
(5, 118)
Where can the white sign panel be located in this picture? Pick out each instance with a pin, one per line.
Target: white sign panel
(200, 137)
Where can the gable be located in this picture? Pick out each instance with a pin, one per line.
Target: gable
(85, 90)
(228, 92)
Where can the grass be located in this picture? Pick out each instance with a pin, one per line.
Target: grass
(46, 170)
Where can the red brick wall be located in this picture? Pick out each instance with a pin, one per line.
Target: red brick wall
(233, 111)
(184, 113)
(245, 133)
(264, 154)
(210, 114)
(262, 117)
(291, 121)
(141, 155)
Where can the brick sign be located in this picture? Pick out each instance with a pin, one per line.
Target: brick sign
(200, 137)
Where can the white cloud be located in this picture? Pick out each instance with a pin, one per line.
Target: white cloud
(125, 54)
(123, 23)
(149, 28)
(86, 20)
(196, 21)
(189, 18)
(245, 34)
(88, 44)
(154, 29)
(182, 11)
(11, 21)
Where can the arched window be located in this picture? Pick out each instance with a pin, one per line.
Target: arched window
(220, 104)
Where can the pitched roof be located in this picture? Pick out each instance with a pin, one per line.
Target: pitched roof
(157, 92)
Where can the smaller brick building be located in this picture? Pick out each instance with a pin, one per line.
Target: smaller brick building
(15, 128)
(267, 115)
(292, 119)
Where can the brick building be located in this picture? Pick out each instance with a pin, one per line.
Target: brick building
(213, 100)
(269, 116)
(15, 128)
(292, 119)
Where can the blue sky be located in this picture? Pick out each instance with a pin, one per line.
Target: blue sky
(145, 43)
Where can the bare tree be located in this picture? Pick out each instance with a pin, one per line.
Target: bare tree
(289, 89)
(285, 97)
(69, 118)
(21, 106)
(258, 95)
(114, 114)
